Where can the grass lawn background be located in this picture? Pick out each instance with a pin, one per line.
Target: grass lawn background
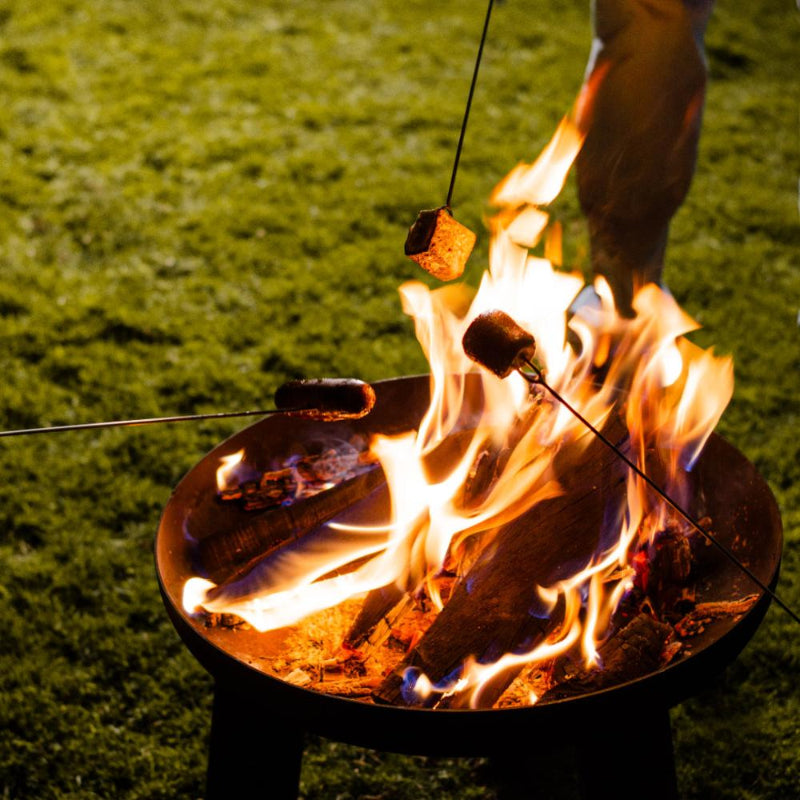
(201, 200)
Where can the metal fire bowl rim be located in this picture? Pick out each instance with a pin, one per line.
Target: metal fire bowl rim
(456, 731)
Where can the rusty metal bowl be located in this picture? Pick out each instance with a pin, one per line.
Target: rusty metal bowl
(724, 485)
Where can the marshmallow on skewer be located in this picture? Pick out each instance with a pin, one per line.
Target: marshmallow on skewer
(439, 243)
(494, 340)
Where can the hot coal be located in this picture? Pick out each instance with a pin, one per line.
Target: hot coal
(326, 399)
(703, 614)
(494, 340)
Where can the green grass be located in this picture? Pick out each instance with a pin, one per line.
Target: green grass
(201, 200)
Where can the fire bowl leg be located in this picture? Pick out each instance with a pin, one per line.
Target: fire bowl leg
(533, 770)
(629, 757)
(247, 756)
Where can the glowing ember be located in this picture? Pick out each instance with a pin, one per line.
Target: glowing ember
(667, 392)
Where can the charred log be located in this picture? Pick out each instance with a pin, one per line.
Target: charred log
(225, 554)
(630, 653)
(670, 586)
(496, 608)
(375, 608)
(695, 622)
(489, 463)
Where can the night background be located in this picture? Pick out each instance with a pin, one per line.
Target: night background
(201, 200)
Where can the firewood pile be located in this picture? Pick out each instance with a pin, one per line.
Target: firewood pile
(369, 648)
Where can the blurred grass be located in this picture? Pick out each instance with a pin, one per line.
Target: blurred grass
(201, 200)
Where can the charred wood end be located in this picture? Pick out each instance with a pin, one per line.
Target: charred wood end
(224, 554)
(630, 653)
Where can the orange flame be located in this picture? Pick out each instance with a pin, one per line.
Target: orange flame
(227, 468)
(670, 392)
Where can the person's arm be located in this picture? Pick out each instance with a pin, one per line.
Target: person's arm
(646, 77)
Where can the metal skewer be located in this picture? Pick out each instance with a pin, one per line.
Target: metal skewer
(437, 241)
(321, 399)
(537, 379)
(460, 145)
(123, 423)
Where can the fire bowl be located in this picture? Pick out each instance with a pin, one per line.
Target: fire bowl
(723, 485)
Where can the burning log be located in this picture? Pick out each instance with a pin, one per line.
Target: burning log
(630, 653)
(226, 554)
(694, 623)
(487, 466)
(439, 243)
(670, 584)
(380, 602)
(496, 607)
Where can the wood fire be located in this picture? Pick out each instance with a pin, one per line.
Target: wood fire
(362, 648)
(520, 540)
(524, 546)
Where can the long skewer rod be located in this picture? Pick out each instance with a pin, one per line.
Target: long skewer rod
(123, 423)
(469, 105)
(537, 379)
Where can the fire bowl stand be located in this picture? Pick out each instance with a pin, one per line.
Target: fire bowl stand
(611, 743)
(620, 737)
(254, 755)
